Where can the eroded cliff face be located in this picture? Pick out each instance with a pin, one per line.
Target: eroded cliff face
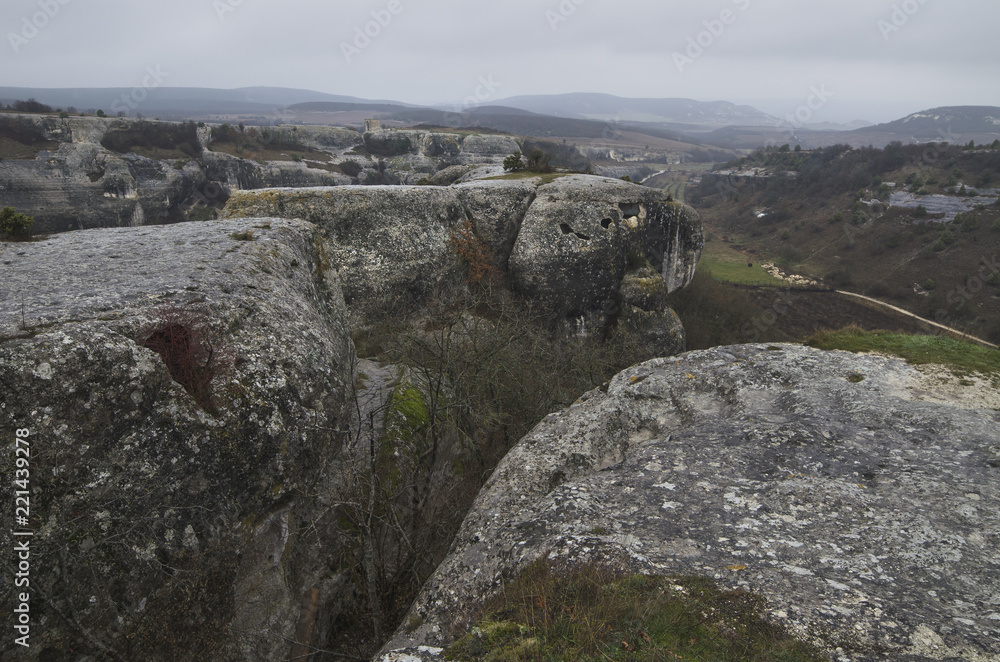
(87, 174)
(566, 246)
(862, 505)
(168, 525)
(90, 172)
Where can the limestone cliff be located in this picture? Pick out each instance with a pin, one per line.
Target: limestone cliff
(167, 525)
(89, 172)
(566, 245)
(861, 504)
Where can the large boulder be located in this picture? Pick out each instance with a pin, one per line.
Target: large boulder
(186, 393)
(567, 246)
(390, 244)
(858, 494)
(497, 209)
(582, 234)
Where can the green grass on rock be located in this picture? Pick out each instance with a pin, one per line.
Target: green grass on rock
(594, 614)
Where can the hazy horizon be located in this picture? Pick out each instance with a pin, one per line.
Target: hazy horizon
(875, 61)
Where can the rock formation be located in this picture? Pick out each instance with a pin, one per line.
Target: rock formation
(566, 246)
(849, 490)
(90, 172)
(171, 521)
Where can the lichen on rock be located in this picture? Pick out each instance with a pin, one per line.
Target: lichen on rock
(866, 516)
(160, 526)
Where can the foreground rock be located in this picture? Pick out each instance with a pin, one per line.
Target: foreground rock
(168, 526)
(566, 246)
(862, 506)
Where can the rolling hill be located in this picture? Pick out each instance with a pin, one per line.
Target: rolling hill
(656, 111)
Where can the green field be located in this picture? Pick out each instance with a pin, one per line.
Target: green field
(917, 350)
(731, 266)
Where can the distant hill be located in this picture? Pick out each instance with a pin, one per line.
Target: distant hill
(510, 120)
(659, 111)
(954, 124)
(341, 107)
(177, 101)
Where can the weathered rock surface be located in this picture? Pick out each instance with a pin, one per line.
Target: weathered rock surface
(388, 243)
(81, 184)
(574, 247)
(567, 243)
(865, 511)
(497, 210)
(84, 185)
(163, 532)
(465, 148)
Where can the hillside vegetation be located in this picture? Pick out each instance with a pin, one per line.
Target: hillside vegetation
(836, 214)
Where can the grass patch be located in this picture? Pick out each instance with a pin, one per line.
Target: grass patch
(732, 266)
(17, 151)
(738, 272)
(265, 155)
(546, 178)
(160, 153)
(917, 350)
(596, 614)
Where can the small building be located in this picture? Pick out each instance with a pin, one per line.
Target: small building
(372, 125)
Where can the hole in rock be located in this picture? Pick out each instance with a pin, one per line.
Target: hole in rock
(629, 209)
(566, 229)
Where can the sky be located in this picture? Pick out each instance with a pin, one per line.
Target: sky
(840, 60)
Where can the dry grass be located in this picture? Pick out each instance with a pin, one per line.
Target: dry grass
(592, 613)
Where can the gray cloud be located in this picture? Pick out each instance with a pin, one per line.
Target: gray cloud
(436, 50)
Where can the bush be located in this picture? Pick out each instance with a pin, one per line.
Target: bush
(13, 225)
(513, 163)
(32, 106)
(476, 253)
(538, 161)
(969, 222)
(193, 355)
(351, 168)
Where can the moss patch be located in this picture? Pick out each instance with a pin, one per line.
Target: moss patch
(546, 178)
(596, 614)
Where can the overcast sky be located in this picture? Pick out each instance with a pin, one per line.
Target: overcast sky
(872, 59)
